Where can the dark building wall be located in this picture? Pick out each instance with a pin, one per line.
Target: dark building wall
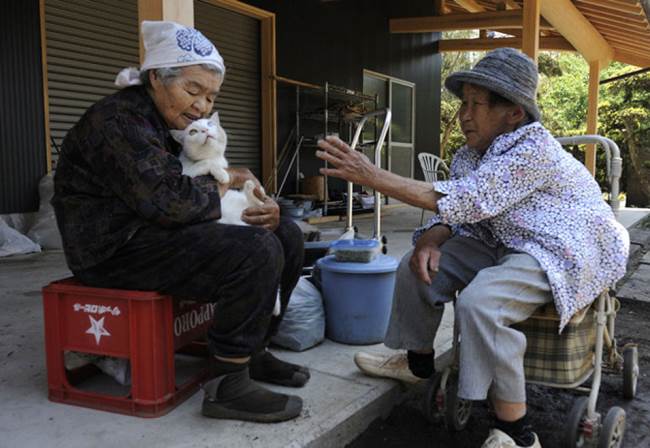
(334, 41)
(22, 133)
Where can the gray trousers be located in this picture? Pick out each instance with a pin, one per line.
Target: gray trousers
(499, 287)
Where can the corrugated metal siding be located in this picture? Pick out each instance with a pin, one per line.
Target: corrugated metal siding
(88, 43)
(22, 132)
(237, 37)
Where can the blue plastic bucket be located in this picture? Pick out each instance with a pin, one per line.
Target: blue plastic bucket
(358, 298)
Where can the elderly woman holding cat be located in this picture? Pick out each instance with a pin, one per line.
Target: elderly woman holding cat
(131, 219)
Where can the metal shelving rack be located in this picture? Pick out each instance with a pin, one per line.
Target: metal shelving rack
(332, 96)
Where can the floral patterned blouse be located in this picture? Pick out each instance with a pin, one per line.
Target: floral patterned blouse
(527, 193)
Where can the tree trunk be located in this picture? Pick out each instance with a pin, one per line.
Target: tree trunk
(447, 133)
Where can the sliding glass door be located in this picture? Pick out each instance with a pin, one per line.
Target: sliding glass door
(399, 95)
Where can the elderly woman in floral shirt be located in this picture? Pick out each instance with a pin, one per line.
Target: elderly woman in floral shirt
(519, 224)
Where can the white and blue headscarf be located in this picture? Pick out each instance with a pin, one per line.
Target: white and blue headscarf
(169, 44)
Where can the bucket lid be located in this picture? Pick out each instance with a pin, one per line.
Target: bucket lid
(381, 264)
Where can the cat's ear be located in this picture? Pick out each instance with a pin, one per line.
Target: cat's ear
(179, 136)
(215, 118)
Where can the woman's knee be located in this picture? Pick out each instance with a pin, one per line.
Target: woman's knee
(470, 302)
(291, 239)
(268, 252)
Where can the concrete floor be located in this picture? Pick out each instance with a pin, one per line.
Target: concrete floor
(339, 401)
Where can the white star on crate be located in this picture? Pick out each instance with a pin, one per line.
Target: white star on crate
(97, 329)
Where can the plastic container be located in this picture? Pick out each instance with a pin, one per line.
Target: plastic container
(144, 327)
(358, 298)
(355, 251)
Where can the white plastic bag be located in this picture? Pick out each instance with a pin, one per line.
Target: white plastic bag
(303, 325)
(45, 231)
(12, 242)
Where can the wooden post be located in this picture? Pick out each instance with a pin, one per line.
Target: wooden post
(439, 7)
(530, 31)
(592, 114)
(46, 95)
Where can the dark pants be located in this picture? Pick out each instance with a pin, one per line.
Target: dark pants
(238, 268)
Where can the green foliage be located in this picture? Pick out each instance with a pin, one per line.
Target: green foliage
(562, 97)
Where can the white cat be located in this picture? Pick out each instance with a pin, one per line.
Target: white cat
(204, 146)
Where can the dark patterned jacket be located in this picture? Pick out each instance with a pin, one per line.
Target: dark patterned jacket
(118, 171)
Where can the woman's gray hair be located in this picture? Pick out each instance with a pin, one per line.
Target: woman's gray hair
(168, 74)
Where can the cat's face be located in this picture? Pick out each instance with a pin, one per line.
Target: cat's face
(203, 139)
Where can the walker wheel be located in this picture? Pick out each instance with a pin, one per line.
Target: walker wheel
(574, 437)
(630, 371)
(457, 410)
(613, 429)
(432, 398)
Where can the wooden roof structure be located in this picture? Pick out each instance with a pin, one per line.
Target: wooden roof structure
(602, 31)
(605, 30)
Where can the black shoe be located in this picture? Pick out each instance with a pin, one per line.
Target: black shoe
(266, 367)
(234, 396)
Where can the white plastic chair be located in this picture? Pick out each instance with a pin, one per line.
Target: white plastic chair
(434, 169)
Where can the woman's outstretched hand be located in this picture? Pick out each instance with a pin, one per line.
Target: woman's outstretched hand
(347, 164)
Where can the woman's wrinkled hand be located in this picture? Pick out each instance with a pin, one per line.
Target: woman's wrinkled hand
(425, 259)
(350, 165)
(266, 215)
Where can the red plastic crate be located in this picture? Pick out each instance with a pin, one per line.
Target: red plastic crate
(145, 327)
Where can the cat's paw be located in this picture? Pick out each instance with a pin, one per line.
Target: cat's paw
(249, 186)
(222, 176)
(277, 308)
(251, 197)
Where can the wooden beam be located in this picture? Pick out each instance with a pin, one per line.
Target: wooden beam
(242, 8)
(269, 119)
(491, 20)
(626, 33)
(181, 11)
(440, 7)
(632, 52)
(619, 20)
(632, 59)
(470, 5)
(639, 47)
(530, 27)
(623, 25)
(511, 4)
(545, 43)
(502, 5)
(569, 22)
(592, 114)
(515, 32)
(595, 10)
(45, 91)
(615, 6)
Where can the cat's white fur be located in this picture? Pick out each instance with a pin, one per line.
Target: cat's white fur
(204, 146)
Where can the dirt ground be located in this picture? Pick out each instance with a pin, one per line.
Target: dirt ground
(548, 408)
